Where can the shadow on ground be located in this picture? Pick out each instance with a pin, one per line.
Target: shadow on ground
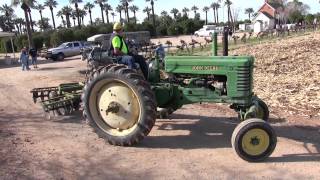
(191, 132)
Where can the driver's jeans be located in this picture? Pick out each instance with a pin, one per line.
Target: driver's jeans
(130, 61)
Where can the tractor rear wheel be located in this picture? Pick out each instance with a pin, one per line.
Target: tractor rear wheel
(254, 140)
(119, 104)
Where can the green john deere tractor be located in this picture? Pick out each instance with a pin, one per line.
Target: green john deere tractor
(121, 105)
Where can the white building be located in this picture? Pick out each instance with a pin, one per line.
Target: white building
(262, 22)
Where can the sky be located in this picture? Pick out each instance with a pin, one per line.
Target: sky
(160, 5)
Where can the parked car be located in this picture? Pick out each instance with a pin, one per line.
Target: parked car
(208, 30)
(66, 49)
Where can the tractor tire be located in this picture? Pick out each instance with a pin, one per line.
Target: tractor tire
(264, 109)
(119, 105)
(254, 140)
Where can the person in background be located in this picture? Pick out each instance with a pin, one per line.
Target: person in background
(160, 52)
(24, 58)
(119, 49)
(33, 54)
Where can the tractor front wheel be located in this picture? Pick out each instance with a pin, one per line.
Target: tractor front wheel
(119, 104)
(254, 140)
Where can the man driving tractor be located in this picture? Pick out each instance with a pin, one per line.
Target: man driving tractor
(119, 49)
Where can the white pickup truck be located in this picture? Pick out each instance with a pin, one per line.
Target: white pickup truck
(208, 30)
(66, 49)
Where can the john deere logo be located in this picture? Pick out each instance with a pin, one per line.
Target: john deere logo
(205, 68)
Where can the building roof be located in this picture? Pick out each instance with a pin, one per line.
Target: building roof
(6, 34)
(275, 5)
(268, 15)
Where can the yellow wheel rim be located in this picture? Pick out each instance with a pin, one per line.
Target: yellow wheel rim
(117, 107)
(255, 142)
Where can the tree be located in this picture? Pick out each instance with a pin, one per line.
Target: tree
(60, 14)
(25, 6)
(153, 15)
(217, 6)
(113, 15)
(194, 9)
(119, 9)
(249, 11)
(44, 23)
(8, 11)
(100, 3)
(51, 4)
(88, 6)
(206, 9)
(174, 11)
(67, 11)
(40, 8)
(164, 13)
(134, 9)
(82, 14)
(73, 15)
(97, 21)
(107, 8)
(76, 5)
(228, 3)
(125, 4)
(185, 11)
(147, 10)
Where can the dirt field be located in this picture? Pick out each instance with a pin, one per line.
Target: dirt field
(193, 144)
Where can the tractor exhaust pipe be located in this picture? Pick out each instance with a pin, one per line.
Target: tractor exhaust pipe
(225, 43)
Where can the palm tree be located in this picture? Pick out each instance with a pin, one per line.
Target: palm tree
(147, 10)
(194, 9)
(119, 9)
(67, 11)
(217, 11)
(113, 15)
(60, 14)
(8, 11)
(82, 14)
(40, 8)
(107, 8)
(185, 11)
(174, 11)
(76, 5)
(73, 15)
(97, 21)
(206, 9)
(213, 6)
(125, 4)
(153, 17)
(249, 11)
(134, 9)
(25, 5)
(88, 7)
(164, 13)
(29, 12)
(19, 22)
(44, 23)
(228, 3)
(100, 3)
(51, 4)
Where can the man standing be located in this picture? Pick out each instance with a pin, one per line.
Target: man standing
(33, 54)
(119, 49)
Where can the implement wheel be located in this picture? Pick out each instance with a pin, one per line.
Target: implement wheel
(254, 140)
(119, 105)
